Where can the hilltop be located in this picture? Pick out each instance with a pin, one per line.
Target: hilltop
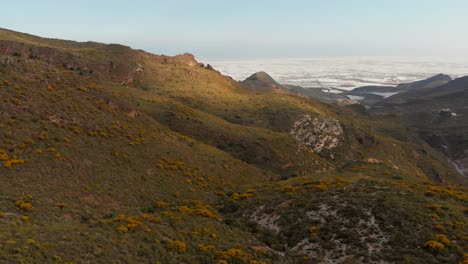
(111, 154)
(261, 81)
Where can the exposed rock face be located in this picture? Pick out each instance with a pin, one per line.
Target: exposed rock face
(319, 134)
(374, 238)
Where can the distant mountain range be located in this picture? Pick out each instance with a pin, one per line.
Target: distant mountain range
(438, 110)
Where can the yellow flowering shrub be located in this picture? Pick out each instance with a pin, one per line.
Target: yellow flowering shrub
(441, 238)
(438, 243)
(233, 253)
(132, 223)
(7, 162)
(4, 155)
(322, 186)
(199, 209)
(177, 246)
(465, 259)
(195, 233)
(206, 213)
(184, 209)
(26, 143)
(241, 196)
(446, 191)
(313, 231)
(161, 204)
(434, 246)
(122, 229)
(24, 205)
(76, 130)
(204, 247)
(43, 135)
(93, 133)
(435, 216)
(435, 207)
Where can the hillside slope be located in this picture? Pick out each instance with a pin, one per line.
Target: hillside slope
(111, 154)
(439, 116)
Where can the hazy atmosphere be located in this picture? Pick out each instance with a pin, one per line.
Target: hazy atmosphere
(253, 29)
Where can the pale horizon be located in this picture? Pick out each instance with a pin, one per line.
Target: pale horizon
(254, 29)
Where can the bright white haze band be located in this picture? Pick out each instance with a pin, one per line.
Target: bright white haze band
(344, 73)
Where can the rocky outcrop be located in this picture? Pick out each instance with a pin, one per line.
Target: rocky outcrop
(320, 134)
(186, 59)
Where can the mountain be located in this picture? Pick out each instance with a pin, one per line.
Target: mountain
(261, 81)
(428, 83)
(431, 89)
(110, 154)
(376, 94)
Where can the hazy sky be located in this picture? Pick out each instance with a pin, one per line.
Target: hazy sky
(253, 28)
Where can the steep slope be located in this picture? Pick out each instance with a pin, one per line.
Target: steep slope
(215, 95)
(438, 115)
(112, 154)
(83, 169)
